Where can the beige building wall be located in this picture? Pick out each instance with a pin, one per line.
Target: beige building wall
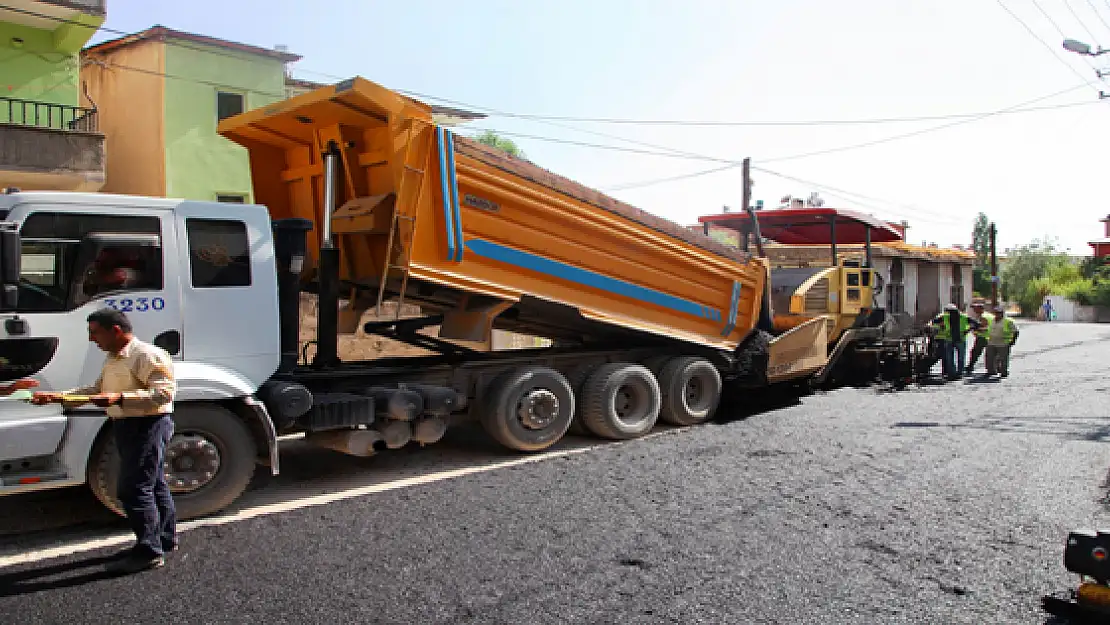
(127, 87)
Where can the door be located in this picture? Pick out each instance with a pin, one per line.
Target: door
(75, 260)
(928, 292)
(851, 295)
(229, 285)
(896, 292)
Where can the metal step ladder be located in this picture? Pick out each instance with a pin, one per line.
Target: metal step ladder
(404, 212)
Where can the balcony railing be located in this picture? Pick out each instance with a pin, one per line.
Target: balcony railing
(31, 114)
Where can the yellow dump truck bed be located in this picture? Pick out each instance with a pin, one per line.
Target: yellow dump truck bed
(467, 231)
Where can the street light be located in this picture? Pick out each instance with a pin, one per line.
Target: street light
(1078, 47)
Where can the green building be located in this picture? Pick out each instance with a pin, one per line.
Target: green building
(49, 136)
(160, 94)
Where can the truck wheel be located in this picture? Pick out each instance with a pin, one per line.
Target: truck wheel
(528, 409)
(209, 462)
(103, 470)
(577, 378)
(691, 391)
(621, 401)
(655, 364)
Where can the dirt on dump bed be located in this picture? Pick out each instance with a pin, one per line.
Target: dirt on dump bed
(362, 346)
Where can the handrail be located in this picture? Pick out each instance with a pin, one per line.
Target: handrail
(33, 114)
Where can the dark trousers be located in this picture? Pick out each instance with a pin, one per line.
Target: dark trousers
(976, 351)
(953, 363)
(998, 360)
(142, 487)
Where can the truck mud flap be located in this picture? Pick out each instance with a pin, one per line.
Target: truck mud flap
(800, 352)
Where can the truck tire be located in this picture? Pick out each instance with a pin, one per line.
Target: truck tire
(577, 378)
(621, 401)
(655, 364)
(198, 431)
(528, 409)
(103, 470)
(691, 389)
(752, 356)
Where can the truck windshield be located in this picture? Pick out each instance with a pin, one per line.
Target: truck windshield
(44, 277)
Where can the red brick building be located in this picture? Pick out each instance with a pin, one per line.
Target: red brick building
(1102, 246)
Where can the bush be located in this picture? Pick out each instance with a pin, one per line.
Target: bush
(1033, 295)
(1081, 291)
(1100, 293)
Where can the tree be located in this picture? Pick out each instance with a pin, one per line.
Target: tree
(981, 245)
(1030, 268)
(494, 140)
(727, 238)
(981, 240)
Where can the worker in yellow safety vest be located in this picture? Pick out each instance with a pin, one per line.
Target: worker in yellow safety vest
(952, 333)
(1003, 335)
(980, 325)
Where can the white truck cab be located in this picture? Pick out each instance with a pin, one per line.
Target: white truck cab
(196, 278)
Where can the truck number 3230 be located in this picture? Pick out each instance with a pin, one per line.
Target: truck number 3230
(136, 304)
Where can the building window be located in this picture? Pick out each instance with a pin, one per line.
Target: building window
(228, 104)
(896, 291)
(957, 291)
(219, 253)
(231, 198)
(896, 294)
(957, 294)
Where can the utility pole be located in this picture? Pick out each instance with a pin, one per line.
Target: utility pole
(994, 266)
(747, 195)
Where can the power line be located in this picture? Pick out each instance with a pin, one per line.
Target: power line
(498, 113)
(1033, 34)
(851, 196)
(1016, 108)
(198, 81)
(666, 151)
(676, 122)
(729, 164)
(672, 153)
(1059, 30)
(655, 181)
(1067, 5)
(1098, 15)
(922, 131)
(177, 44)
(601, 146)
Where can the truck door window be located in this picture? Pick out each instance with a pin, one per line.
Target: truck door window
(120, 268)
(55, 277)
(219, 253)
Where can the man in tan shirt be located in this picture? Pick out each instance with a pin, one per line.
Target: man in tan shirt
(136, 386)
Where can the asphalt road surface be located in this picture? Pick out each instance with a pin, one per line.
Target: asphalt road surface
(933, 504)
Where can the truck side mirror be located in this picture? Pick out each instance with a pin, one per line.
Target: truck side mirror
(9, 260)
(10, 254)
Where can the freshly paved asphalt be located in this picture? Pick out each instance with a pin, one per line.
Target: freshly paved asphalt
(934, 504)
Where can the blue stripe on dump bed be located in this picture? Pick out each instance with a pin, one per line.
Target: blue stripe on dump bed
(454, 195)
(585, 277)
(448, 214)
(733, 309)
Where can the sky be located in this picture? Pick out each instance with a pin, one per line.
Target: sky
(1037, 174)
